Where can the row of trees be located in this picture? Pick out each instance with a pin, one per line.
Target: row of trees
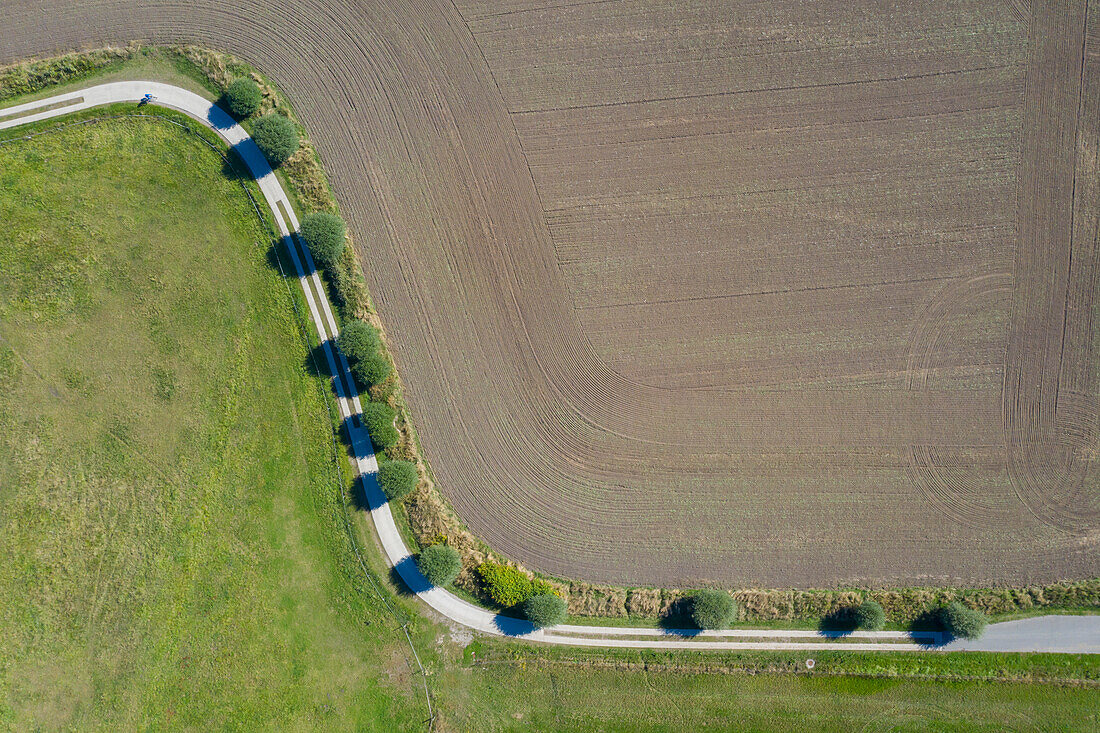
(716, 609)
(325, 237)
(506, 585)
(274, 133)
(362, 345)
(707, 609)
(956, 619)
(324, 234)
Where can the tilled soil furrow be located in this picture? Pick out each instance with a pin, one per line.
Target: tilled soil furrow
(716, 337)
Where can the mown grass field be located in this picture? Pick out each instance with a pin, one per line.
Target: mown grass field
(169, 504)
(171, 516)
(550, 698)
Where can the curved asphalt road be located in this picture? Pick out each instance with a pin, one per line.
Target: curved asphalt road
(1080, 634)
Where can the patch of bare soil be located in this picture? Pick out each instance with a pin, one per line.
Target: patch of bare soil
(781, 294)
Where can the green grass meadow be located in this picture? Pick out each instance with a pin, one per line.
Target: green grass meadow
(175, 554)
(169, 510)
(553, 699)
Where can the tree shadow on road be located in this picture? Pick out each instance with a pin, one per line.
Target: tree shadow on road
(929, 621)
(218, 116)
(406, 577)
(363, 483)
(512, 625)
(234, 167)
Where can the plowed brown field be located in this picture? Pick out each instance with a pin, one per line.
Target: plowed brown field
(783, 293)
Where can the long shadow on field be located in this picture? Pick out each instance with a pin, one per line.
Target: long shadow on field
(277, 257)
(359, 500)
(316, 362)
(838, 622)
(677, 620)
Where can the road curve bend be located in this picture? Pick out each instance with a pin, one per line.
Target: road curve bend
(1040, 634)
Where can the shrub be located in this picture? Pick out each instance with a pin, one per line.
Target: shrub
(712, 609)
(243, 97)
(35, 75)
(397, 479)
(962, 622)
(440, 564)
(544, 609)
(869, 616)
(378, 419)
(507, 585)
(359, 340)
(323, 233)
(276, 137)
(371, 370)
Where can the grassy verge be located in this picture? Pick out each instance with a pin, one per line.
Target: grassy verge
(812, 623)
(170, 496)
(1073, 669)
(33, 80)
(612, 700)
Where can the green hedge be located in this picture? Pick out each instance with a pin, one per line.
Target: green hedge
(869, 616)
(378, 419)
(371, 370)
(962, 622)
(243, 97)
(440, 564)
(545, 609)
(507, 585)
(397, 479)
(325, 234)
(359, 340)
(276, 137)
(712, 609)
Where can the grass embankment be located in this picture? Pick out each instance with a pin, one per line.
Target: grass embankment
(611, 690)
(169, 501)
(171, 518)
(551, 698)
